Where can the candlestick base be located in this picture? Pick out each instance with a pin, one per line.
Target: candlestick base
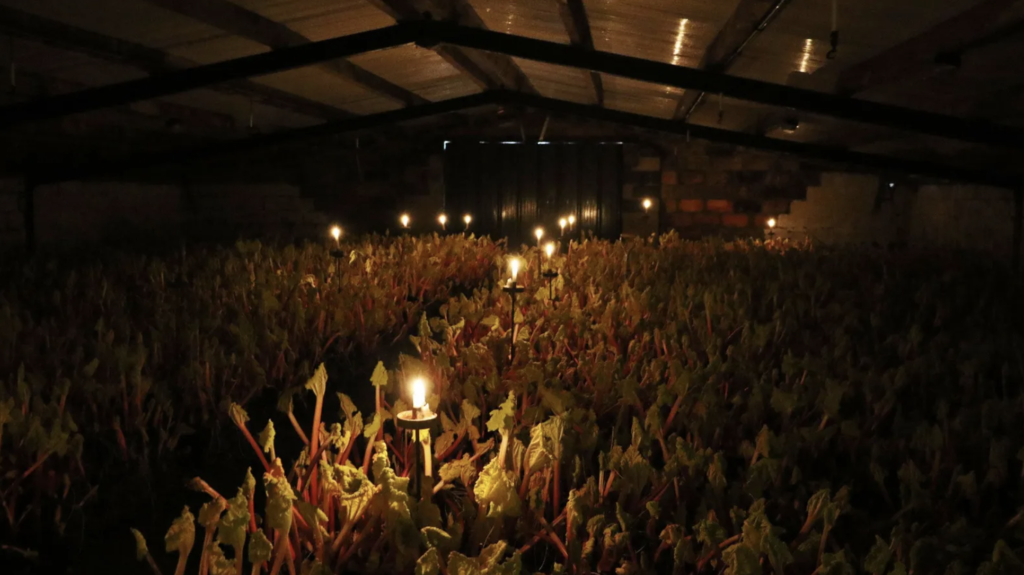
(550, 274)
(338, 254)
(513, 288)
(408, 420)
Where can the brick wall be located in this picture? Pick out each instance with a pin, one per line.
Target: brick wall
(868, 210)
(703, 188)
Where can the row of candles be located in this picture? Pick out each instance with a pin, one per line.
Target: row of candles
(420, 419)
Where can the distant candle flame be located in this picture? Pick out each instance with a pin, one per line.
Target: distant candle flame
(562, 223)
(771, 222)
(513, 266)
(647, 204)
(443, 219)
(405, 220)
(467, 218)
(572, 221)
(336, 233)
(419, 393)
(539, 232)
(549, 249)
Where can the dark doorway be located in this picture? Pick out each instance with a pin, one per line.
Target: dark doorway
(510, 188)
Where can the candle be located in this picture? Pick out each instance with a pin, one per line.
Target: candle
(771, 222)
(419, 393)
(467, 218)
(443, 220)
(647, 203)
(549, 249)
(513, 266)
(539, 232)
(336, 234)
(561, 224)
(405, 220)
(835, 15)
(572, 221)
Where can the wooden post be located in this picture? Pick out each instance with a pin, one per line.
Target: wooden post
(1018, 223)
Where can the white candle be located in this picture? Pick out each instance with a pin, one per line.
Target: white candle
(419, 393)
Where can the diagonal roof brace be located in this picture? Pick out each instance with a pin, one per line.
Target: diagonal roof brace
(425, 32)
(519, 99)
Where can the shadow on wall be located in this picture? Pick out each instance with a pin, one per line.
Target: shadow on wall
(862, 209)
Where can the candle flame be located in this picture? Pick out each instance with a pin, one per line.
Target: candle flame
(336, 232)
(513, 265)
(647, 204)
(419, 393)
(572, 220)
(549, 249)
(539, 232)
(771, 222)
(562, 223)
(405, 220)
(443, 219)
(467, 218)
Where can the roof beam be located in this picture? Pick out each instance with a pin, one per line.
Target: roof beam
(205, 76)
(150, 60)
(577, 25)
(750, 18)
(488, 70)
(148, 160)
(550, 52)
(811, 151)
(910, 57)
(247, 24)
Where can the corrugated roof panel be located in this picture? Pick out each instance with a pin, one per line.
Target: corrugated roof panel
(866, 28)
(416, 69)
(531, 18)
(135, 21)
(662, 30)
(558, 81)
(313, 83)
(319, 20)
(639, 97)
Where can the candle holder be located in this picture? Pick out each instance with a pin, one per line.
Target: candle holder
(771, 229)
(512, 288)
(551, 275)
(419, 422)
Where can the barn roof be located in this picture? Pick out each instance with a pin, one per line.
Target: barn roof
(944, 73)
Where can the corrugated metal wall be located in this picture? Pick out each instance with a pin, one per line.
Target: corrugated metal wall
(512, 188)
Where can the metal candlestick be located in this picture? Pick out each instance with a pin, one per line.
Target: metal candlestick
(419, 421)
(512, 288)
(551, 275)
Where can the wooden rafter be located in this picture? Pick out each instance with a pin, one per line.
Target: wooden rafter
(247, 24)
(150, 60)
(577, 25)
(750, 18)
(911, 57)
(488, 71)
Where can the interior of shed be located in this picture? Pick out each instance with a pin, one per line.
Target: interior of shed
(723, 287)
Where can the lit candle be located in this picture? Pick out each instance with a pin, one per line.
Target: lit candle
(539, 232)
(443, 220)
(336, 234)
(561, 224)
(419, 394)
(467, 218)
(549, 249)
(513, 266)
(405, 220)
(647, 204)
(572, 221)
(771, 222)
